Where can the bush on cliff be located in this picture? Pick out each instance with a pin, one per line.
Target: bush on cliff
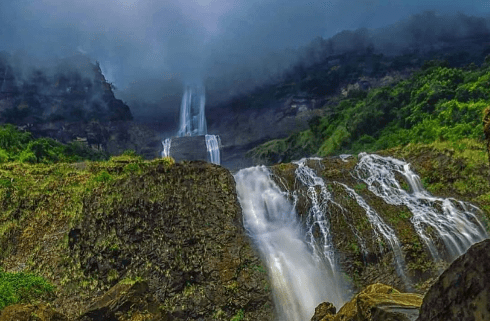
(22, 287)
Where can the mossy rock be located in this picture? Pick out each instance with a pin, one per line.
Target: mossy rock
(378, 302)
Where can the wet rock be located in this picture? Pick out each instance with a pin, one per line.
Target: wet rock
(188, 148)
(323, 310)
(29, 312)
(378, 302)
(462, 292)
(120, 299)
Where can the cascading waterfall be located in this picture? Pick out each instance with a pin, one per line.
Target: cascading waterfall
(166, 147)
(380, 227)
(317, 219)
(193, 122)
(454, 221)
(299, 281)
(212, 144)
(192, 119)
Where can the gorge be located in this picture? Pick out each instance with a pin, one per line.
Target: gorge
(172, 238)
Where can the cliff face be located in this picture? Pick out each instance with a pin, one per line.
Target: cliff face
(71, 101)
(90, 227)
(73, 91)
(363, 250)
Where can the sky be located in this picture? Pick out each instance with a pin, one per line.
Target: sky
(148, 48)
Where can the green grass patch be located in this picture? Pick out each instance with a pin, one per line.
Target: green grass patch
(22, 287)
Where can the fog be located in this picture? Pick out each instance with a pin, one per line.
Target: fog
(149, 48)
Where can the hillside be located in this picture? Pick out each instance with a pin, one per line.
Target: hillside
(437, 103)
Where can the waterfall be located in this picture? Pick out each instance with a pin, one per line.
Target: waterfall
(380, 227)
(192, 122)
(212, 145)
(192, 119)
(454, 222)
(166, 147)
(317, 219)
(299, 281)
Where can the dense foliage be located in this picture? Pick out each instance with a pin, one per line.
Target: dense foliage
(21, 287)
(20, 146)
(436, 103)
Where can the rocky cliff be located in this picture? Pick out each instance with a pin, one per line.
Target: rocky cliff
(71, 101)
(133, 240)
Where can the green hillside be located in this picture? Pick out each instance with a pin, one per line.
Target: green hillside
(438, 103)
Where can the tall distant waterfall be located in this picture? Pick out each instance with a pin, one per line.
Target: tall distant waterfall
(192, 122)
(299, 278)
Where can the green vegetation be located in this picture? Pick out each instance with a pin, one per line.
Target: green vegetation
(437, 103)
(16, 145)
(22, 287)
(238, 316)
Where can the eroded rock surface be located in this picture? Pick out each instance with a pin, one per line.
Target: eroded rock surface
(462, 292)
(29, 312)
(377, 302)
(177, 227)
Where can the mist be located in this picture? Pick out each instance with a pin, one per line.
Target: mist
(148, 49)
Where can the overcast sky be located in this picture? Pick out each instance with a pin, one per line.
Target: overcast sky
(137, 40)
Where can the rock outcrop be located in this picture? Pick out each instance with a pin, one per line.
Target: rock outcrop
(171, 229)
(462, 292)
(29, 312)
(377, 302)
(189, 148)
(121, 299)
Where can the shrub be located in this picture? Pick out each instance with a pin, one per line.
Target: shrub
(22, 287)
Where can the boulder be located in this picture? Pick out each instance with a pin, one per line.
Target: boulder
(29, 312)
(189, 148)
(323, 310)
(377, 302)
(462, 292)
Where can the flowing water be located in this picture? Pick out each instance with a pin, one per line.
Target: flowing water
(193, 122)
(380, 227)
(192, 119)
(299, 278)
(317, 220)
(212, 145)
(454, 222)
(167, 142)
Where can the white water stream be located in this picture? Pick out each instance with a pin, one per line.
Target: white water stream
(454, 222)
(299, 278)
(193, 123)
(212, 145)
(380, 227)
